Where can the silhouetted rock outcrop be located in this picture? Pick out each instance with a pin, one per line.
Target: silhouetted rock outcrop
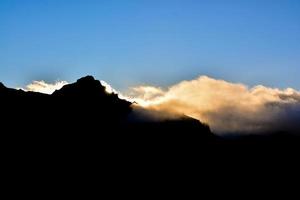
(87, 101)
(80, 130)
(84, 114)
(85, 110)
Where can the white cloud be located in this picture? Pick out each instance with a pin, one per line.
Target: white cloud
(43, 87)
(225, 106)
(49, 88)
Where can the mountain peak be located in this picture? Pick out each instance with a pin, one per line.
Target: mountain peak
(86, 79)
(89, 81)
(85, 86)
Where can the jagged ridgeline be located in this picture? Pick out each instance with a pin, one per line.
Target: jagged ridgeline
(85, 108)
(83, 117)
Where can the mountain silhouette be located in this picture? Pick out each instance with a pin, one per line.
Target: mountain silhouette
(83, 111)
(83, 133)
(84, 114)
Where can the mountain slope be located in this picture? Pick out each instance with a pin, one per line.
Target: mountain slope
(83, 113)
(82, 129)
(84, 109)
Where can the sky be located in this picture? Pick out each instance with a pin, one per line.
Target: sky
(156, 42)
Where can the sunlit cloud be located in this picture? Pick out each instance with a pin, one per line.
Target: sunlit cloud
(49, 88)
(43, 87)
(226, 107)
(146, 95)
(108, 88)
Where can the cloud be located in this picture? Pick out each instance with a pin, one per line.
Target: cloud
(226, 107)
(43, 87)
(49, 88)
(108, 88)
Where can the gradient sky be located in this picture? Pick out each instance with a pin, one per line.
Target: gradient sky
(156, 42)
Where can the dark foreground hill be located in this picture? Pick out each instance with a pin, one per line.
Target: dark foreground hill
(81, 135)
(81, 125)
(84, 113)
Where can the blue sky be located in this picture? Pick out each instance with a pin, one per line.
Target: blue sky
(156, 42)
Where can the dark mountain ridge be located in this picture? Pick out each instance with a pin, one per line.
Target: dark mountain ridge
(83, 109)
(81, 133)
(84, 113)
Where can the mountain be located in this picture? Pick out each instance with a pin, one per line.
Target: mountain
(80, 133)
(84, 112)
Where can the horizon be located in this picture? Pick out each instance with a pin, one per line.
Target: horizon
(228, 108)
